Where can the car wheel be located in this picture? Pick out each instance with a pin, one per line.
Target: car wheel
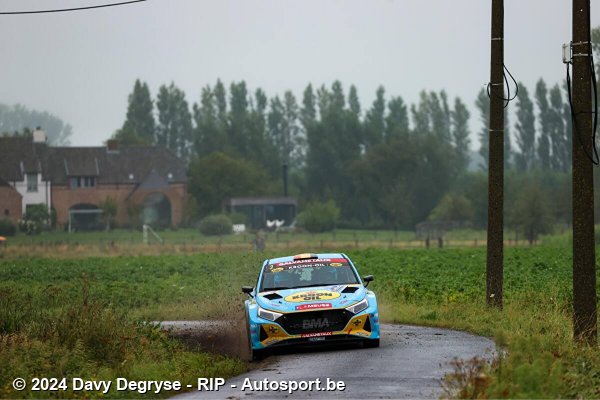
(258, 355)
(255, 354)
(371, 343)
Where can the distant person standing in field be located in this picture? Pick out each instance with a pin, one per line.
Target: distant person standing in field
(259, 241)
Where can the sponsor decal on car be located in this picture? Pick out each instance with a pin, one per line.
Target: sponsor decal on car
(316, 334)
(312, 295)
(310, 263)
(313, 306)
(315, 323)
(297, 262)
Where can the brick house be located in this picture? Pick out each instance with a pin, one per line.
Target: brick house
(148, 184)
(10, 202)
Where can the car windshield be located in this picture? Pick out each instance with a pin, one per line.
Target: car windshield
(307, 273)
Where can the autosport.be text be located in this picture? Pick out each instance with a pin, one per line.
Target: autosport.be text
(265, 385)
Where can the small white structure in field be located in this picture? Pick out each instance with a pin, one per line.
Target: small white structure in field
(239, 228)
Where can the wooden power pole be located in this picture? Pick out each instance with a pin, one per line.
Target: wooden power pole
(584, 257)
(495, 234)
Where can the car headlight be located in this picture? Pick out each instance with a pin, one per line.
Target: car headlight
(358, 307)
(266, 314)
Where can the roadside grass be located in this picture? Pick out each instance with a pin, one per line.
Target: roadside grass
(444, 288)
(52, 334)
(538, 358)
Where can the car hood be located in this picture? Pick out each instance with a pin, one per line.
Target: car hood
(311, 298)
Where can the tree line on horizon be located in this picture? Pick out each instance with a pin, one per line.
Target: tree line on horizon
(390, 165)
(250, 125)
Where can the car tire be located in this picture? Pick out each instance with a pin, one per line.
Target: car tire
(371, 343)
(258, 355)
(255, 354)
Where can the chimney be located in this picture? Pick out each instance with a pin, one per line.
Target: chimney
(39, 136)
(112, 145)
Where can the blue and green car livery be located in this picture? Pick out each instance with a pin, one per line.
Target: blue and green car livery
(310, 298)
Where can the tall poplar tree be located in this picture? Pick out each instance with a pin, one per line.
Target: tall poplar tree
(560, 160)
(544, 119)
(174, 130)
(483, 105)
(207, 136)
(525, 131)
(396, 122)
(374, 123)
(139, 125)
(238, 119)
(460, 133)
(421, 114)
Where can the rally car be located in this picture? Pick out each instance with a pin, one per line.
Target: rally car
(310, 298)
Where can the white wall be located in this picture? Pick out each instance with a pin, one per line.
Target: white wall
(42, 196)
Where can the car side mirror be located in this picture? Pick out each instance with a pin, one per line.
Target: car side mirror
(367, 279)
(248, 290)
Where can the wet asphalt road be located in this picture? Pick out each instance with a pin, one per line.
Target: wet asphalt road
(409, 364)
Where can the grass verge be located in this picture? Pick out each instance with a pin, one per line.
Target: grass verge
(49, 335)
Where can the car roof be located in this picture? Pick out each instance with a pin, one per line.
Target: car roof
(318, 255)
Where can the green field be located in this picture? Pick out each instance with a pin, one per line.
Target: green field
(193, 236)
(81, 317)
(188, 241)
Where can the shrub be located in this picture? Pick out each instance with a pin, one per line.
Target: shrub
(36, 219)
(319, 217)
(218, 224)
(453, 207)
(238, 218)
(7, 227)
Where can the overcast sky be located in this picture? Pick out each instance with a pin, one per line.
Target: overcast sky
(82, 65)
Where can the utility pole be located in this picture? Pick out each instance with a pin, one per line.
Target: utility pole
(495, 229)
(584, 257)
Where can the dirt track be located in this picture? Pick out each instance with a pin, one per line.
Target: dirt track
(409, 364)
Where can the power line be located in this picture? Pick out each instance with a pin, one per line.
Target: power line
(70, 9)
(508, 98)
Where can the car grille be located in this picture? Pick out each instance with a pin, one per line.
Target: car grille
(314, 321)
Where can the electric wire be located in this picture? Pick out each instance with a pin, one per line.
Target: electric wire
(508, 98)
(70, 9)
(505, 70)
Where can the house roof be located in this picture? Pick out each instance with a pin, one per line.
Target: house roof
(18, 156)
(57, 164)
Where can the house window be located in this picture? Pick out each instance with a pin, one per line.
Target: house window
(83, 182)
(32, 182)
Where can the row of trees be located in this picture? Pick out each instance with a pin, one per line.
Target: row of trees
(542, 132)
(334, 150)
(386, 165)
(389, 165)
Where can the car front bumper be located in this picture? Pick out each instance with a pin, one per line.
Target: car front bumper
(265, 333)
